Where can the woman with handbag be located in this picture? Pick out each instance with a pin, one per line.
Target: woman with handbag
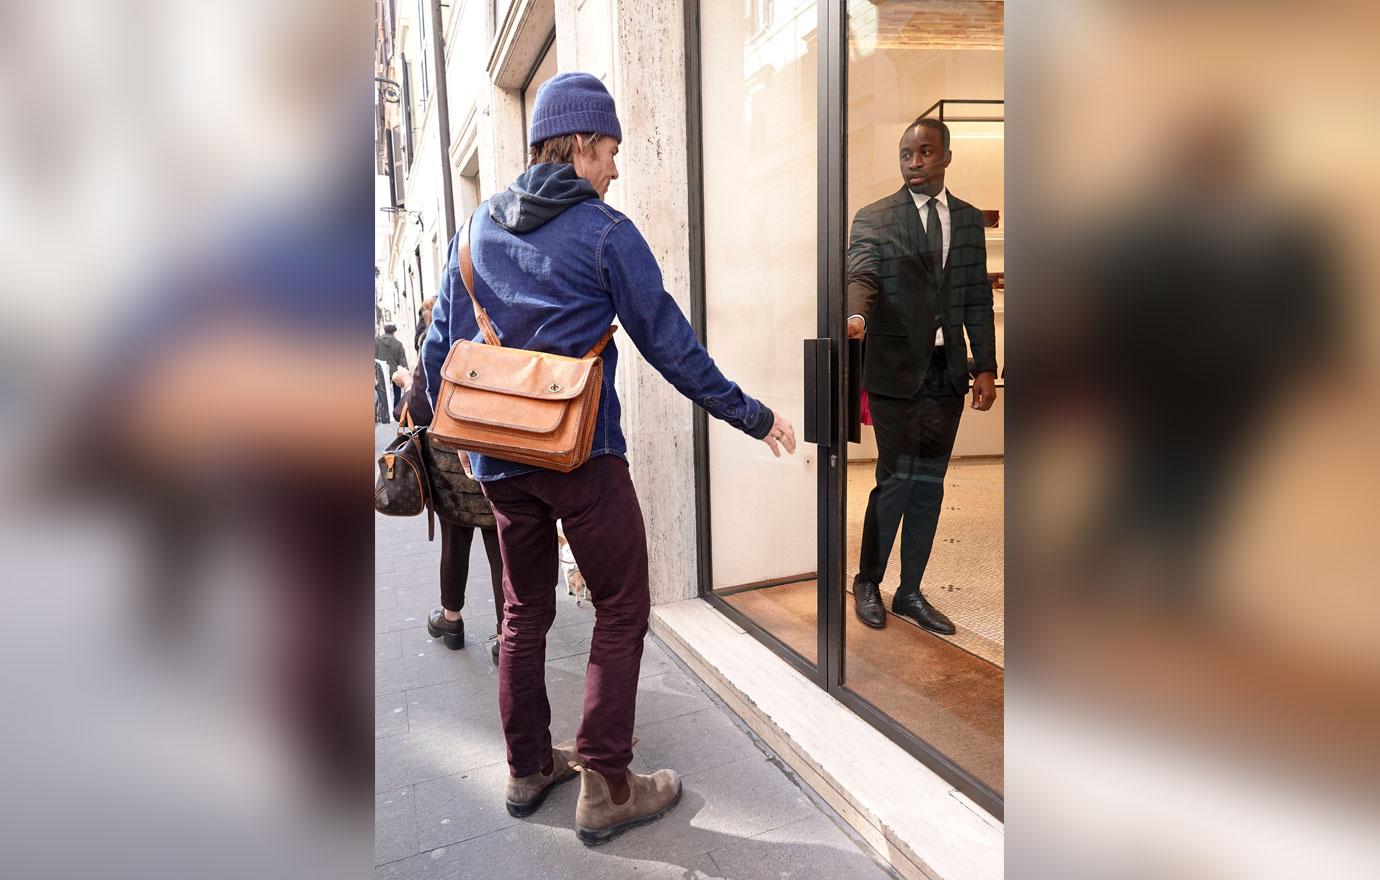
(461, 507)
(519, 366)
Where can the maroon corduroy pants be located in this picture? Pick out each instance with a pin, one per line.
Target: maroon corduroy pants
(603, 523)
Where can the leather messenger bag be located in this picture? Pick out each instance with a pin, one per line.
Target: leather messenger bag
(524, 406)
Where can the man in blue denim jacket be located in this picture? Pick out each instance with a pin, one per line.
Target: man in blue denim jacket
(554, 266)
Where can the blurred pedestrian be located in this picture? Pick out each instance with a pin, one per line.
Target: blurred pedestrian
(423, 322)
(389, 349)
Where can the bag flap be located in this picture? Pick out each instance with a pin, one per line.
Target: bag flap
(515, 371)
(526, 415)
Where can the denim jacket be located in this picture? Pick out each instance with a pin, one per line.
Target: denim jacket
(554, 266)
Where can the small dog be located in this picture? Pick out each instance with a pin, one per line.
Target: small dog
(574, 581)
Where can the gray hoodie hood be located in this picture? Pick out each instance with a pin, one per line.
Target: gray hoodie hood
(540, 194)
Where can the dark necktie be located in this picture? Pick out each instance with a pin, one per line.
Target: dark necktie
(934, 238)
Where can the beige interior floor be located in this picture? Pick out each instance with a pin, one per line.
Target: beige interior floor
(788, 611)
(965, 577)
(943, 694)
(946, 690)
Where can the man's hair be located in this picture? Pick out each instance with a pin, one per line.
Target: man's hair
(561, 148)
(390, 328)
(933, 125)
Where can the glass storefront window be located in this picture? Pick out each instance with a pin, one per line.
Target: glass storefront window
(791, 539)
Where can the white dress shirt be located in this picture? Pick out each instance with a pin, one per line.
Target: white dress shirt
(922, 206)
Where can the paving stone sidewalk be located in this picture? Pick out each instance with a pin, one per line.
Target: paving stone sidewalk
(440, 759)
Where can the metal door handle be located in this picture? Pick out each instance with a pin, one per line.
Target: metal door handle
(819, 416)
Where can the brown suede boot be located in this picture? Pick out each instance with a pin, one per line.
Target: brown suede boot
(598, 819)
(526, 793)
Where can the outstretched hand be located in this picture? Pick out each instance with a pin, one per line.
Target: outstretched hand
(781, 434)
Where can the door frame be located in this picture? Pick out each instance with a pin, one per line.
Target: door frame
(831, 527)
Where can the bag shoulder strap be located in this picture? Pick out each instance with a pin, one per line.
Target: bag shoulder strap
(481, 317)
(603, 341)
(426, 481)
(416, 442)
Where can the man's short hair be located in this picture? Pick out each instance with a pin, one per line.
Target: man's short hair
(933, 125)
(561, 148)
(390, 328)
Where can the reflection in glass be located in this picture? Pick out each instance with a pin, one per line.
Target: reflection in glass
(923, 633)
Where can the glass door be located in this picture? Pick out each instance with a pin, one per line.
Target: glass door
(758, 133)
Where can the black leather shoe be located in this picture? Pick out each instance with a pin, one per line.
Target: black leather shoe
(493, 649)
(918, 609)
(867, 603)
(452, 632)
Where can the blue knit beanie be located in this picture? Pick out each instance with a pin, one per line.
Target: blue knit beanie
(573, 103)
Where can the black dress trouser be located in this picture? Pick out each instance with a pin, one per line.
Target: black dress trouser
(915, 438)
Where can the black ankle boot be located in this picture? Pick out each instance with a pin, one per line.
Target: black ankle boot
(451, 632)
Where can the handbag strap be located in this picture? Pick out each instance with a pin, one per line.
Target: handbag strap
(481, 316)
(427, 494)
